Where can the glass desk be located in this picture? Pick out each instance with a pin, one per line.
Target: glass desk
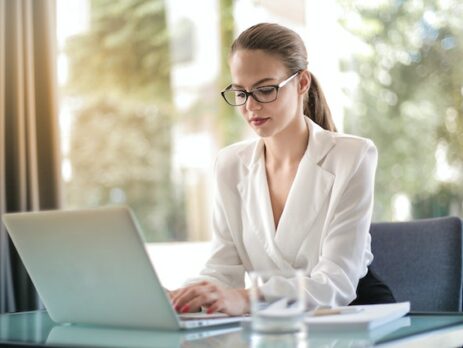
(416, 330)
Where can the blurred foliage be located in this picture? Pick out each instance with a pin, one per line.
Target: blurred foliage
(409, 97)
(125, 52)
(445, 201)
(210, 111)
(119, 77)
(230, 123)
(121, 148)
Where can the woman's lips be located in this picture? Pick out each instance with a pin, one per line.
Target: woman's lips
(258, 121)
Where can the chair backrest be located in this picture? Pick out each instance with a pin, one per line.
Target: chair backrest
(421, 261)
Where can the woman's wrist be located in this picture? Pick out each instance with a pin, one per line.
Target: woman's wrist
(244, 293)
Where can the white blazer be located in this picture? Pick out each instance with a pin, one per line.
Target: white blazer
(324, 227)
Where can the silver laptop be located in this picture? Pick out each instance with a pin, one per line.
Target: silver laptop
(91, 266)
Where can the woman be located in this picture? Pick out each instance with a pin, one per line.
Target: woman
(300, 196)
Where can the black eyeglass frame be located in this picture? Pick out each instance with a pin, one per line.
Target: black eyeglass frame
(251, 92)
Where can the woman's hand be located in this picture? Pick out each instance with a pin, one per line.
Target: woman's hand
(171, 293)
(213, 297)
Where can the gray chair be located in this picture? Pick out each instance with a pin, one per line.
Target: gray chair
(421, 261)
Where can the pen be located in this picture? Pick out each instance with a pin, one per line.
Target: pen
(335, 311)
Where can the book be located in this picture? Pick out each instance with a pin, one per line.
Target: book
(363, 317)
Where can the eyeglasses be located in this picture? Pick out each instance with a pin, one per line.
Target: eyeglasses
(263, 94)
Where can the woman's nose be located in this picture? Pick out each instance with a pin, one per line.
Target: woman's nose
(252, 104)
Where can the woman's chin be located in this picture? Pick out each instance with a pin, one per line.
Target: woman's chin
(263, 133)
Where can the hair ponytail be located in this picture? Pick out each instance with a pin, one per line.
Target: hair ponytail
(289, 47)
(316, 107)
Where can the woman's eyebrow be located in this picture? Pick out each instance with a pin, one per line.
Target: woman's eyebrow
(267, 79)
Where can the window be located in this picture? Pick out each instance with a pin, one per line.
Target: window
(141, 114)
(406, 94)
(132, 83)
(142, 119)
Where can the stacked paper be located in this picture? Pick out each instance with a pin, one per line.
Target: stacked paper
(367, 317)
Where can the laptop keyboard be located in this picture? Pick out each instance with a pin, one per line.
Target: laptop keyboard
(201, 315)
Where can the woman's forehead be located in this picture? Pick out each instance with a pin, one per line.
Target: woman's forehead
(250, 66)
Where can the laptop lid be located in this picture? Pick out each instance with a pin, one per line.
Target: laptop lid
(91, 266)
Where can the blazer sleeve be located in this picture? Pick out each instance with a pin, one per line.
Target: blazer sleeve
(345, 251)
(224, 266)
(345, 244)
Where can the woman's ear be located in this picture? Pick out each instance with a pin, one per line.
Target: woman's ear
(304, 82)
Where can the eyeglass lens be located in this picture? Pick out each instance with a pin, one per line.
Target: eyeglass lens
(261, 94)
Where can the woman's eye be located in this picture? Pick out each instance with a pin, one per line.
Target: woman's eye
(240, 94)
(265, 90)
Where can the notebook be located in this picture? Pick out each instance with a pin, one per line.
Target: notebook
(91, 267)
(363, 317)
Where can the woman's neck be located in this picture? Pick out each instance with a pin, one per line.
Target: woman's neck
(287, 148)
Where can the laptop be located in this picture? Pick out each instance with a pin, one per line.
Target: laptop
(91, 267)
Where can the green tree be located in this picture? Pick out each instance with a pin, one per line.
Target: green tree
(121, 135)
(409, 97)
(210, 111)
(125, 52)
(230, 123)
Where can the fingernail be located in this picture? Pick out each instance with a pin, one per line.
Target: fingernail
(210, 311)
(177, 308)
(185, 309)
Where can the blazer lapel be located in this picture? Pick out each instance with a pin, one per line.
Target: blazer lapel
(308, 193)
(310, 189)
(256, 211)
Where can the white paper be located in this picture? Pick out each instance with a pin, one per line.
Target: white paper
(370, 317)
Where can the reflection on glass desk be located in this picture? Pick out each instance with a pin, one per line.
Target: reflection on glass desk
(37, 329)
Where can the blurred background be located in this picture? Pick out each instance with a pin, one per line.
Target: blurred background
(142, 119)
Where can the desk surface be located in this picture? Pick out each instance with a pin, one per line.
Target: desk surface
(417, 330)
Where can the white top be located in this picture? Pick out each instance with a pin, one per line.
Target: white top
(324, 227)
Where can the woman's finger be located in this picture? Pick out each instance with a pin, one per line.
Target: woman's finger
(202, 299)
(216, 306)
(180, 292)
(187, 296)
(171, 293)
